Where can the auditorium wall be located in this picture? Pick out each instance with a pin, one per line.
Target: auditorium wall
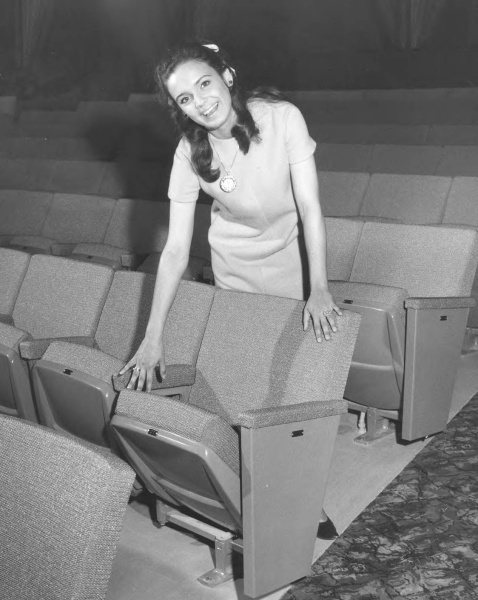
(107, 48)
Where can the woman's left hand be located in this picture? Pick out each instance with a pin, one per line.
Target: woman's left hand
(322, 311)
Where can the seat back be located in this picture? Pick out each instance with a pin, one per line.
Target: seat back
(417, 160)
(23, 212)
(60, 297)
(255, 354)
(62, 508)
(414, 199)
(126, 312)
(13, 266)
(461, 204)
(77, 218)
(426, 261)
(138, 225)
(343, 157)
(342, 194)
(343, 236)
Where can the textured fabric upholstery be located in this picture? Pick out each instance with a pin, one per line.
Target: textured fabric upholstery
(23, 212)
(342, 240)
(459, 161)
(440, 303)
(90, 361)
(77, 176)
(34, 349)
(125, 315)
(461, 204)
(62, 508)
(182, 419)
(193, 271)
(408, 198)
(255, 354)
(138, 225)
(342, 194)
(78, 218)
(13, 266)
(343, 157)
(279, 415)
(409, 160)
(426, 261)
(60, 297)
(11, 336)
(176, 375)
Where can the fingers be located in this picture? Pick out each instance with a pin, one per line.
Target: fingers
(162, 367)
(129, 365)
(306, 319)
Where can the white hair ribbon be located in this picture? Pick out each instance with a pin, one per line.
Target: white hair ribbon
(212, 47)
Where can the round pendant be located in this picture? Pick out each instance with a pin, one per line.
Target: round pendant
(228, 183)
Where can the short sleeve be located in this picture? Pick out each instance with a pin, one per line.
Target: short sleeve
(300, 145)
(183, 182)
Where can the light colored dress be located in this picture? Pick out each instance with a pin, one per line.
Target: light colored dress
(254, 233)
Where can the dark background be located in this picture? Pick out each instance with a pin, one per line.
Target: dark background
(107, 49)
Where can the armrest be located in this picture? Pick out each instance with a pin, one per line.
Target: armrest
(62, 249)
(176, 376)
(7, 319)
(130, 260)
(440, 303)
(34, 349)
(292, 413)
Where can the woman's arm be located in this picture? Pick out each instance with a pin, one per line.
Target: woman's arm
(172, 264)
(320, 306)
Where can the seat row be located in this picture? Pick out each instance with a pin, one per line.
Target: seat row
(449, 160)
(68, 327)
(124, 232)
(422, 282)
(216, 437)
(125, 177)
(147, 146)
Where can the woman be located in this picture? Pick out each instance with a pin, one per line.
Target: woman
(255, 158)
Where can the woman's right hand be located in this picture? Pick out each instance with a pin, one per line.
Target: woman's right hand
(149, 356)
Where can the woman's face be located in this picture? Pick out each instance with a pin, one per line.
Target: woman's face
(203, 95)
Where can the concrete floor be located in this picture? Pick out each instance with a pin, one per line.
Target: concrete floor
(153, 564)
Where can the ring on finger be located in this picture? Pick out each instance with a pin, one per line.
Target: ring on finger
(326, 313)
(136, 369)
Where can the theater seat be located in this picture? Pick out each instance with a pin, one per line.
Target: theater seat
(62, 509)
(72, 383)
(58, 299)
(412, 285)
(251, 449)
(22, 213)
(71, 219)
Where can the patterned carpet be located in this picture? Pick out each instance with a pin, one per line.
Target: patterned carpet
(419, 539)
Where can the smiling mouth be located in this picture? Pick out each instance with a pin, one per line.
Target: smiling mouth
(210, 111)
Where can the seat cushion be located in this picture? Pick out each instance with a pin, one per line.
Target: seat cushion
(93, 362)
(183, 419)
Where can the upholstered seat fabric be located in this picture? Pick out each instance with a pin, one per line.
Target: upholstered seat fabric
(62, 507)
(248, 362)
(183, 419)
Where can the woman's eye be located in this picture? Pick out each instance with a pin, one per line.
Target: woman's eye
(205, 83)
(184, 100)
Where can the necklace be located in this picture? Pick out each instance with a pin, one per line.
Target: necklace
(228, 182)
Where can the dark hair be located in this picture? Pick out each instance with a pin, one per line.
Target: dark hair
(245, 130)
